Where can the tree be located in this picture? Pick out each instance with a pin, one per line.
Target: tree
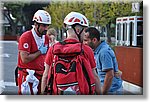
(22, 12)
(28, 11)
(11, 8)
(58, 11)
(99, 14)
(119, 9)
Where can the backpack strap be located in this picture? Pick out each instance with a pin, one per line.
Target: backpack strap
(86, 75)
(16, 75)
(50, 81)
(49, 88)
(87, 78)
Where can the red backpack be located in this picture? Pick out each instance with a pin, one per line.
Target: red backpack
(71, 71)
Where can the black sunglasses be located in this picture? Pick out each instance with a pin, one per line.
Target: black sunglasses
(45, 25)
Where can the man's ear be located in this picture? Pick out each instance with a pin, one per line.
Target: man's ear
(35, 24)
(77, 30)
(94, 40)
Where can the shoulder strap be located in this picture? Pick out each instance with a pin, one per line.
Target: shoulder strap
(50, 82)
(87, 77)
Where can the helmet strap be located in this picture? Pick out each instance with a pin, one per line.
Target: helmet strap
(65, 30)
(78, 34)
(43, 33)
(38, 28)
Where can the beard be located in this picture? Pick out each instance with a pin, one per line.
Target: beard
(91, 44)
(44, 32)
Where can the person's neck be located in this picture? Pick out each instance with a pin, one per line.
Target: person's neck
(72, 37)
(97, 44)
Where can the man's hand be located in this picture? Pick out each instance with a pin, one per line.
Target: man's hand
(118, 74)
(43, 49)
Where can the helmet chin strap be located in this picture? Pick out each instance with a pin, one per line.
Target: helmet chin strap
(43, 33)
(38, 29)
(78, 34)
(66, 32)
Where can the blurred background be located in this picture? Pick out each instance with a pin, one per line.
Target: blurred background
(102, 14)
(120, 23)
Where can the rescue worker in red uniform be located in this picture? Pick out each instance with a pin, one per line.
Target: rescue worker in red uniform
(75, 23)
(32, 48)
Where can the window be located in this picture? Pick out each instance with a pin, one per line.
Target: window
(119, 31)
(140, 28)
(131, 32)
(140, 34)
(125, 32)
(118, 34)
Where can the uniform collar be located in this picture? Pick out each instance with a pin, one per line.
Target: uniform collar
(99, 47)
(38, 40)
(71, 40)
(34, 33)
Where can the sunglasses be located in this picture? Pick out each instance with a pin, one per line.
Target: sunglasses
(45, 25)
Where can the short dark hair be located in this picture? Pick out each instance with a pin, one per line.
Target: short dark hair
(93, 33)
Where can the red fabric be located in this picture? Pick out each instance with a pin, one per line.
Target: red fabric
(88, 53)
(90, 62)
(81, 78)
(63, 50)
(27, 43)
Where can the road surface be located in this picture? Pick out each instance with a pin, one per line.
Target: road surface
(8, 61)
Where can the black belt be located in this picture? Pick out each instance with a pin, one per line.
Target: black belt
(22, 69)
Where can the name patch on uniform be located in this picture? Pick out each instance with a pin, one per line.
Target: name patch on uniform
(25, 45)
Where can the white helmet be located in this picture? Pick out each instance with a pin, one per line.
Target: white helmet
(42, 16)
(76, 18)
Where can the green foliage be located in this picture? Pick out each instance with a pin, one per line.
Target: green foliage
(98, 13)
(14, 15)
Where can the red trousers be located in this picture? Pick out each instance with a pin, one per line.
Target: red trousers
(22, 77)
